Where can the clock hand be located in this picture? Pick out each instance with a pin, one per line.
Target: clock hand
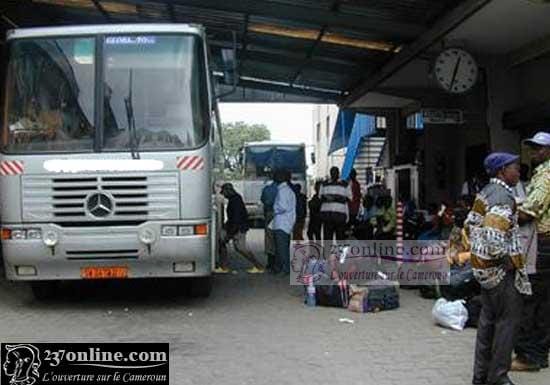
(455, 72)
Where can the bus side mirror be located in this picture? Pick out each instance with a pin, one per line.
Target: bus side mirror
(312, 158)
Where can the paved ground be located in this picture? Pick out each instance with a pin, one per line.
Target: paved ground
(254, 330)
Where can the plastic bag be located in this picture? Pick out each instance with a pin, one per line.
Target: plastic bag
(450, 314)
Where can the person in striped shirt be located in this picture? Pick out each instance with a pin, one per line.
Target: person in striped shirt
(335, 198)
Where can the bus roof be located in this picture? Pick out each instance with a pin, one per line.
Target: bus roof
(274, 143)
(104, 29)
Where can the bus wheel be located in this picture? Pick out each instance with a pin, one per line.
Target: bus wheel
(44, 290)
(200, 287)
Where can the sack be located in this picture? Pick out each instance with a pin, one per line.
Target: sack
(450, 314)
(462, 285)
(382, 295)
(335, 295)
(473, 306)
(358, 299)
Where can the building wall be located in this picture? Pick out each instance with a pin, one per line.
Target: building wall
(502, 95)
(324, 119)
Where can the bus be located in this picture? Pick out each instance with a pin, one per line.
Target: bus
(107, 151)
(259, 161)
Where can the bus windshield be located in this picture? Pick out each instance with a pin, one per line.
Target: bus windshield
(153, 88)
(261, 160)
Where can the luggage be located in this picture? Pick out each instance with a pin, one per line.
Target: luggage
(462, 284)
(335, 295)
(382, 295)
(358, 299)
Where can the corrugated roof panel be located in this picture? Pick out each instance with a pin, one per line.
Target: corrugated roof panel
(279, 42)
(267, 71)
(282, 22)
(413, 11)
(154, 11)
(316, 4)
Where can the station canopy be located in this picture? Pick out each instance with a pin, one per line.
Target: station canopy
(287, 50)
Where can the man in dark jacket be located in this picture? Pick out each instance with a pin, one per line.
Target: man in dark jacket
(314, 225)
(301, 213)
(236, 226)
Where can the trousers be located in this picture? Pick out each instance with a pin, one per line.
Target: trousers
(497, 330)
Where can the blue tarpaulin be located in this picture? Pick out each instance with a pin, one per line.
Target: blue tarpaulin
(350, 128)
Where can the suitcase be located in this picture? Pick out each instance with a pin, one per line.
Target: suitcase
(335, 295)
(382, 295)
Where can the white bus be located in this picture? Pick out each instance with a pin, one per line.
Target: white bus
(106, 155)
(260, 159)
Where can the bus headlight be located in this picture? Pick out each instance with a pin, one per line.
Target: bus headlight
(34, 234)
(147, 236)
(169, 231)
(18, 234)
(51, 239)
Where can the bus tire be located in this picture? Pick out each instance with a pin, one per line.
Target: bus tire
(200, 287)
(43, 291)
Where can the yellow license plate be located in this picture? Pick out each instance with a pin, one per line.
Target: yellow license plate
(111, 272)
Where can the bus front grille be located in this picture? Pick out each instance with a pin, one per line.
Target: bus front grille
(83, 255)
(100, 198)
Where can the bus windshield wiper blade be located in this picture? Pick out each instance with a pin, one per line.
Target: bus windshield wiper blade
(133, 142)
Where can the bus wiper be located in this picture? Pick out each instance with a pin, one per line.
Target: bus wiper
(131, 119)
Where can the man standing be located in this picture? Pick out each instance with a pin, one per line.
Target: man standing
(284, 217)
(498, 266)
(314, 225)
(301, 213)
(355, 202)
(236, 227)
(335, 195)
(269, 193)
(534, 337)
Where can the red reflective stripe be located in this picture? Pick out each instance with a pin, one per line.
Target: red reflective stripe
(9, 166)
(181, 161)
(18, 166)
(199, 165)
(3, 171)
(193, 162)
(186, 162)
(190, 163)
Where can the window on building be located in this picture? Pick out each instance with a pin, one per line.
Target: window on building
(415, 121)
(381, 123)
(318, 131)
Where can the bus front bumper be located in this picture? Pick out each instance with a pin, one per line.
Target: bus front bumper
(66, 253)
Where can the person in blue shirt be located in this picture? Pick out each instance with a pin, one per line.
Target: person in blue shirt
(284, 217)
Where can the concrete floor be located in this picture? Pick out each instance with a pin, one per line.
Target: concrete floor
(253, 330)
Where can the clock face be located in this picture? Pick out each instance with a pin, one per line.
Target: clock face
(456, 70)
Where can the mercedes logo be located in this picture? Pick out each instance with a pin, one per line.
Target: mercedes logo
(99, 205)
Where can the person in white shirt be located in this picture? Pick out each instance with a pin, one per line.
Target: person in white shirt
(284, 217)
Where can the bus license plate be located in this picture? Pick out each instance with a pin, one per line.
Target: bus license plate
(104, 272)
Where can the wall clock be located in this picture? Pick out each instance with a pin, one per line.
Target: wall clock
(456, 70)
